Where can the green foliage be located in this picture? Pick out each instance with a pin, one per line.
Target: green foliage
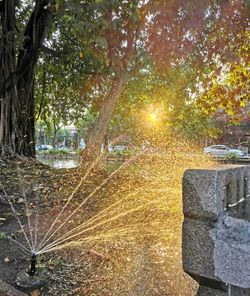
(176, 71)
(227, 87)
(198, 33)
(86, 122)
(3, 235)
(82, 71)
(78, 151)
(126, 152)
(45, 264)
(151, 91)
(231, 156)
(59, 151)
(193, 124)
(51, 133)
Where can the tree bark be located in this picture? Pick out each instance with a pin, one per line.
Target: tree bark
(17, 124)
(7, 68)
(96, 138)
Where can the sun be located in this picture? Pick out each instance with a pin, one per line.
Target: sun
(153, 116)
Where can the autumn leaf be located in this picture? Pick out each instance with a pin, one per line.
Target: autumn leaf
(35, 293)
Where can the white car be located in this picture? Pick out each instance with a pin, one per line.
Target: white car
(223, 151)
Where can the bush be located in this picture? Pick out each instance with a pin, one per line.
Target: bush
(231, 156)
(78, 151)
(125, 152)
(54, 151)
(59, 151)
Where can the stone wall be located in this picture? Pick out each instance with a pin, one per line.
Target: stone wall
(216, 229)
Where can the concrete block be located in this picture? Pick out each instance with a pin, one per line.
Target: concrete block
(198, 249)
(232, 252)
(216, 229)
(206, 291)
(200, 195)
(208, 193)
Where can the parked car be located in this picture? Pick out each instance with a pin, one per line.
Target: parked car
(223, 151)
(43, 147)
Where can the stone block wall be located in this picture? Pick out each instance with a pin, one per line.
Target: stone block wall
(216, 229)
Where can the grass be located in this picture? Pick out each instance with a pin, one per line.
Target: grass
(3, 235)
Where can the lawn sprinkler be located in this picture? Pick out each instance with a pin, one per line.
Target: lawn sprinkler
(33, 262)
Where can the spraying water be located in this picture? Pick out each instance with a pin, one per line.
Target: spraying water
(135, 204)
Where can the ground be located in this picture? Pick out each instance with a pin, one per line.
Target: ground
(138, 254)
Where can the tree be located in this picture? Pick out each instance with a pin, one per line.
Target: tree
(176, 34)
(154, 101)
(116, 42)
(65, 72)
(228, 86)
(17, 66)
(110, 41)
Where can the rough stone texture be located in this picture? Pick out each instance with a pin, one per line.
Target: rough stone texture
(8, 290)
(198, 247)
(216, 229)
(206, 193)
(200, 195)
(233, 230)
(206, 291)
(232, 251)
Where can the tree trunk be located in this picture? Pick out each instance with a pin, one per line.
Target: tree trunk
(17, 126)
(96, 138)
(7, 68)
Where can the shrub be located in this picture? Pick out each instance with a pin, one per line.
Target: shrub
(231, 156)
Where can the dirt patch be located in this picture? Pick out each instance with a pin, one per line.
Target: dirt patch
(11, 257)
(8, 290)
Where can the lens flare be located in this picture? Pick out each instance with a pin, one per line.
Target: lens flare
(154, 116)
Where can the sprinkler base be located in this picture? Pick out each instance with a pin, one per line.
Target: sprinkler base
(27, 283)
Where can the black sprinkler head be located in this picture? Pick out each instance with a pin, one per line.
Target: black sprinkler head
(33, 262)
